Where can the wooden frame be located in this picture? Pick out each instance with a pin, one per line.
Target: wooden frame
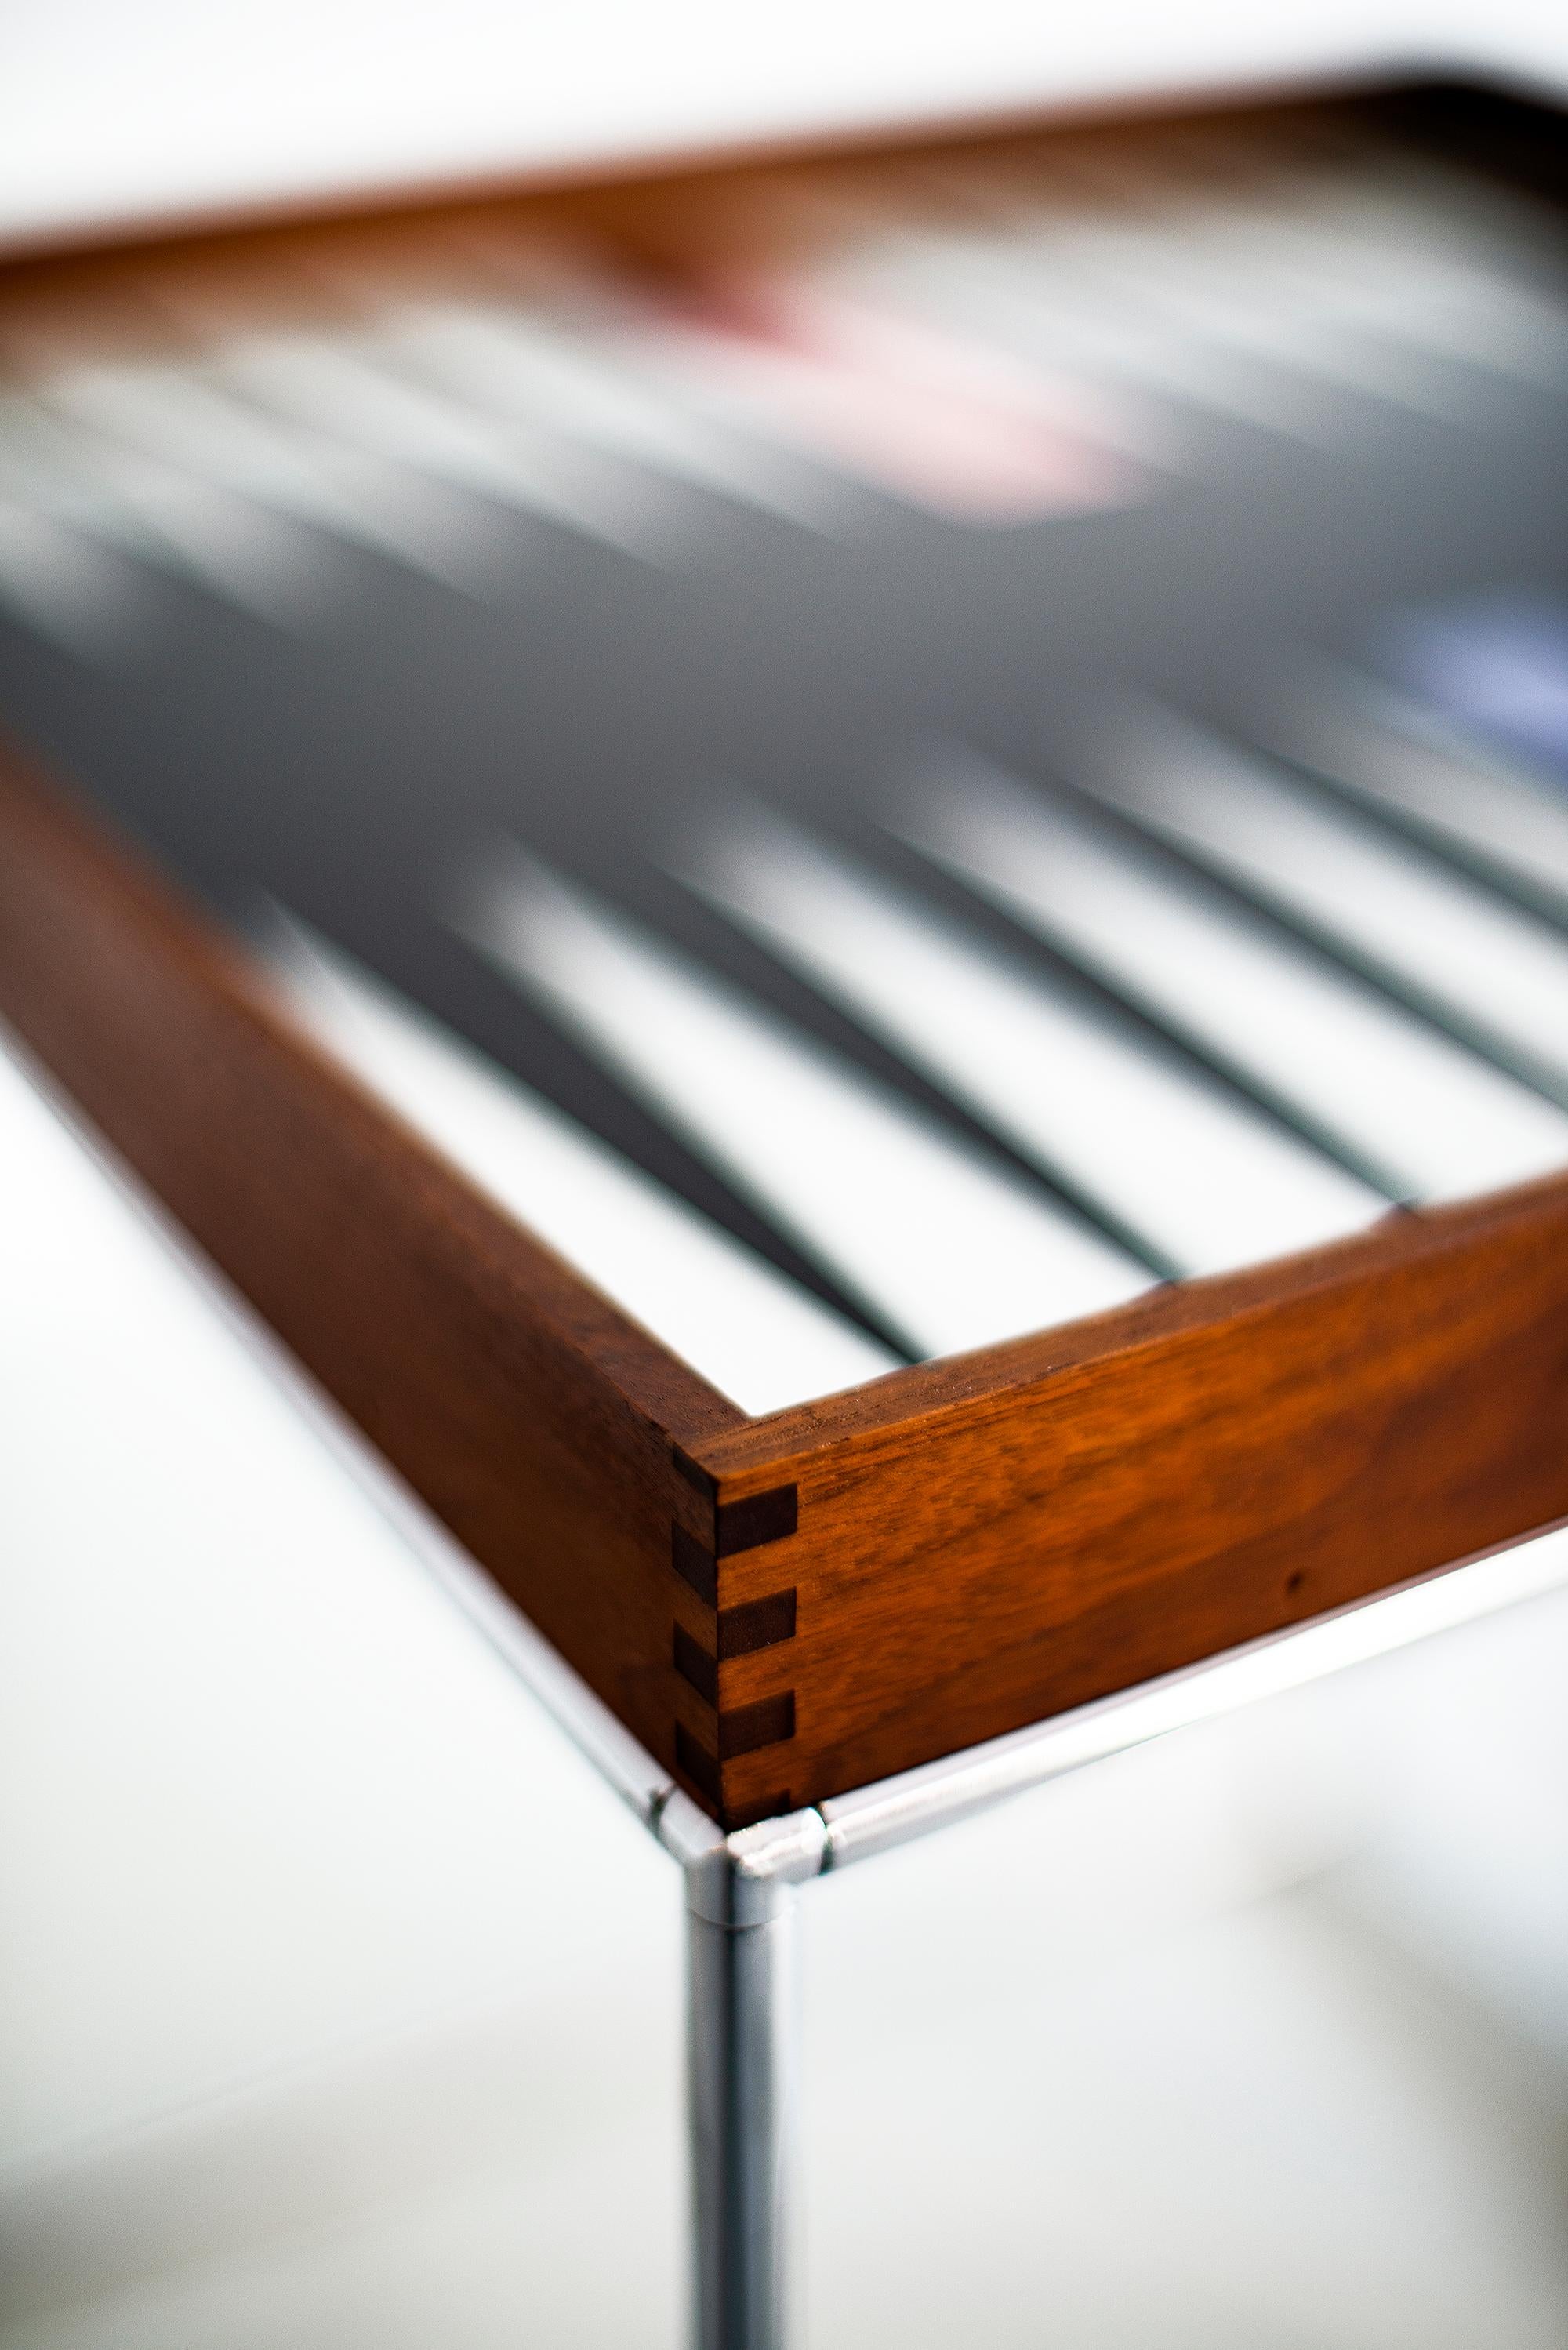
(785, 1608)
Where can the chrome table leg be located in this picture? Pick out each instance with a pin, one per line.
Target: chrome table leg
(743, 2062)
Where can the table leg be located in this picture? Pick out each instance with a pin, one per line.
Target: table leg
(744, 2059)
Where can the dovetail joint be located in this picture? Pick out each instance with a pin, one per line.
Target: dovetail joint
(739, 1631)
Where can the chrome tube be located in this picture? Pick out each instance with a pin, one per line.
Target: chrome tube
(741, 2087)
(744, 2056)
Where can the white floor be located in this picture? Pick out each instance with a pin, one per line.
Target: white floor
(340, 2004)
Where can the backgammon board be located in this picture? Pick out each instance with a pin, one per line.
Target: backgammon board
(844, 883)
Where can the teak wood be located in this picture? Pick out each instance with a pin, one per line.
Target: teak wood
(783, 1608)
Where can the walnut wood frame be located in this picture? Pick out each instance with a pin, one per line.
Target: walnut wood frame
(784, 1608)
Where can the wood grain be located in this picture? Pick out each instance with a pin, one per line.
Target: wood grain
(985, 1542)
(539, 1422)
(782, 1609)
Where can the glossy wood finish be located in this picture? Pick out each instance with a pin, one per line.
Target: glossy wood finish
(541, 1424)
(784, 1608)
(984, 1542)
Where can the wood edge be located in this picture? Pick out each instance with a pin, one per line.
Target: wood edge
(736, 1460)
(717, 1723)
(604, 181)
(664, 1390)
(1048, 1544)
